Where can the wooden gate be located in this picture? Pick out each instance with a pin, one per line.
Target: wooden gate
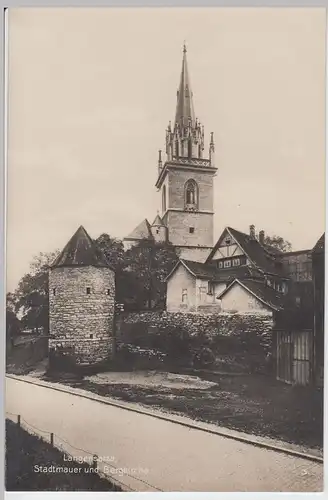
(295, 356)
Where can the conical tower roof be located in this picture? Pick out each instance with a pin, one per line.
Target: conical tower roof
(185, 106)
(158, 221)
(80, 251)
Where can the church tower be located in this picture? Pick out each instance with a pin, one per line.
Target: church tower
(185, 180)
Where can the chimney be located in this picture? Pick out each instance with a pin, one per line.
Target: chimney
(261, 237)
(252, 232)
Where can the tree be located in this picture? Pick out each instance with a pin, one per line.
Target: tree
(113, 250)
(31, 295)
(13, 326)
(142, 278)
(278, 242)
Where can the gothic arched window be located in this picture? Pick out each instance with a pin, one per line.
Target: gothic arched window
(191, 194)
(164, 198)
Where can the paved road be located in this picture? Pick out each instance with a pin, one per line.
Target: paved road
(166, 455)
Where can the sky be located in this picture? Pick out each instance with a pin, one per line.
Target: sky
(91, 92)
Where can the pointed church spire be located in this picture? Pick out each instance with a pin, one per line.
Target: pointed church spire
(184, 139)
(185, 108)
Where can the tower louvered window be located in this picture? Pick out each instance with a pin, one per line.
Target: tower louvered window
(191, 194)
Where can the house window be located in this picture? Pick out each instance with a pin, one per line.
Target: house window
(284, 288)
(184, 296)
(91, 335)
(220, 264)
(191, 194)
(236, 262)
(227, 263)
(298, 301)
(88, 290)
(210, 288)
(54, 291)
(191, 230)
(108, 291)
(228, 241)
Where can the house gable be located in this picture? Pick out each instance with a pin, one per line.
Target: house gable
(237, 298)
(227, 246)
(228, 252)
(181, 290)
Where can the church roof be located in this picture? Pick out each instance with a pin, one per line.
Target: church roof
(141, 232)
(80, 251)
(185, 106)
(265, 294)
(158, 221)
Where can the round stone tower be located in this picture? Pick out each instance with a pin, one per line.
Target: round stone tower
(82, 301)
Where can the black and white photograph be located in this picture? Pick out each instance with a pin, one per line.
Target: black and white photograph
(165, 249)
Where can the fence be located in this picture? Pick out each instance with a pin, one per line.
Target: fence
(295, 356)
(98, 465)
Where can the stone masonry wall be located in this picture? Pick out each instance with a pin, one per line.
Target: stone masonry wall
(80, 320)
(240, 336)
(178, 220)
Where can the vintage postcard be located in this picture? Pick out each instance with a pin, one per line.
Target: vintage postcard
(165, 249)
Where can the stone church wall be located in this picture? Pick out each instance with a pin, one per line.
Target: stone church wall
(78, 320)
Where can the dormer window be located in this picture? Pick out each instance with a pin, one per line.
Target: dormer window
(227, 263)
(236, 262)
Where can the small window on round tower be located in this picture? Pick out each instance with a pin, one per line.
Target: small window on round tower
(91, 335)
(88, 290)
(108, 291)
(54, 291)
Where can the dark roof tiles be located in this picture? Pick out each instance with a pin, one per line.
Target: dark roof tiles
(320, 245)
(211, 272)
(80, 251)
(262, 291)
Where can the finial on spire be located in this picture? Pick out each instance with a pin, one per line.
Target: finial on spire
(184, 47)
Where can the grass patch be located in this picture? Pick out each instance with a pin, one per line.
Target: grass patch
(25, 451)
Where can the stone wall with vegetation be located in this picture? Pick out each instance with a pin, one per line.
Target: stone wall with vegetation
(234, 339)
